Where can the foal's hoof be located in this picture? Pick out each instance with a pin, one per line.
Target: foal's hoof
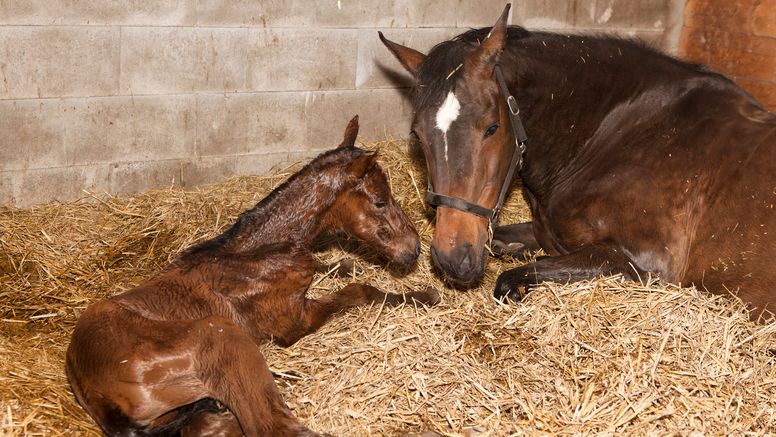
(428, 297)
(346, 267)
(342, 269)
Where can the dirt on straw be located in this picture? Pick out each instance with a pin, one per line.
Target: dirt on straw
(598, 357)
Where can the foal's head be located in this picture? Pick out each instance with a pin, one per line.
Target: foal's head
(365, 208)
(463, 128)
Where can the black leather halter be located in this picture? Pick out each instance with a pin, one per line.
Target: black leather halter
(435, 199)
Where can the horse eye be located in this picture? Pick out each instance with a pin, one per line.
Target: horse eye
(490, 130)
(381, 205)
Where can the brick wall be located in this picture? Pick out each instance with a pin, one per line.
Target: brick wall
(736, 38)
(119, 96)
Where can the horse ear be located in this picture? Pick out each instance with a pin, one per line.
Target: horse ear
(363, 164)
(486, 56)
(351, 132)
(409, 58)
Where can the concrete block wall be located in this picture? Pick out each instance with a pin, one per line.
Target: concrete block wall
(736, 38)
(120, 96)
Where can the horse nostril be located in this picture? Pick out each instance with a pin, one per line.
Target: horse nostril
(417, 249)
(435, 258)
(467, 260)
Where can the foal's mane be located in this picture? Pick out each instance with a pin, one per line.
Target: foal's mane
(335, 157)
(441, 70)
(304, 181)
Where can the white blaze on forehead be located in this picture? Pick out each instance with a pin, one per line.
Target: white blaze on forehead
(446, 115)
(448, 112)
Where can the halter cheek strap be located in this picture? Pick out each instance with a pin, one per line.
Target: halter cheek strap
(435, 199)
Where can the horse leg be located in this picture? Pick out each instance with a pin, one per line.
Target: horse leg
(213, 424)
(587, 263)
(344, 268)
(515, 240)
(317, 312)
(234, 371)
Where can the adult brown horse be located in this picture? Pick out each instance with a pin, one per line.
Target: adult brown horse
(180, 352)
(636, 163)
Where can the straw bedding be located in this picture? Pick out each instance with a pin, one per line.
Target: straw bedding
(605, 356)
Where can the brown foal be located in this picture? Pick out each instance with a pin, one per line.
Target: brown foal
(179, 354)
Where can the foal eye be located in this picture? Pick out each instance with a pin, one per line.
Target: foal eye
(381, 205)
(490, 130)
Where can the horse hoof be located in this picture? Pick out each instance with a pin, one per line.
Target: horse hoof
(500, 248)
(508, 291)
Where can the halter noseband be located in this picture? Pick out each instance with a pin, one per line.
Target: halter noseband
(436, 199)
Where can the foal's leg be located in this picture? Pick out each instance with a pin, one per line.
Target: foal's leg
(318, 311)
(587, 263)
(514, 239)
(210, 424)
(344, 268)
(234, 371)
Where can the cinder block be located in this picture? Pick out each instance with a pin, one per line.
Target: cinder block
(382, 113)
(481, 13)
(56, 61)
(125, 129)
(428, 13)
(296, 14)
(103, 12)
(179, 60)
(36, 186)
(132, 177)
(31, 134)
(248, 123)
(378, 68)
(214, 169)
(294, 59)
(553, 14)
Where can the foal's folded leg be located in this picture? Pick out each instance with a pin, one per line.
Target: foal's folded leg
(235, 373)
(213, 424)
(318, 311)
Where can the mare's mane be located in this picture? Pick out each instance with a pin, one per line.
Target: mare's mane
(433, 83)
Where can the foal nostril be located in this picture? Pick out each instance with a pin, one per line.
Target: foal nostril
(417, 249)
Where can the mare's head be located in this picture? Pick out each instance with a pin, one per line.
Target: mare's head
(463, 129)
(366, 209)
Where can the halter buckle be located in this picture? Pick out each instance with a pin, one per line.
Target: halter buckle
(512, 105)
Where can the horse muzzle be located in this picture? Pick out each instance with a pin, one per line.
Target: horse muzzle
(458, 249)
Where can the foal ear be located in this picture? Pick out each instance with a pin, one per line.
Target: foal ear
(409, 58)
(364, 164)
(487, 54)
(351, 132)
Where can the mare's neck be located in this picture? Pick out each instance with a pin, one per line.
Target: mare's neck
(566, 86)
